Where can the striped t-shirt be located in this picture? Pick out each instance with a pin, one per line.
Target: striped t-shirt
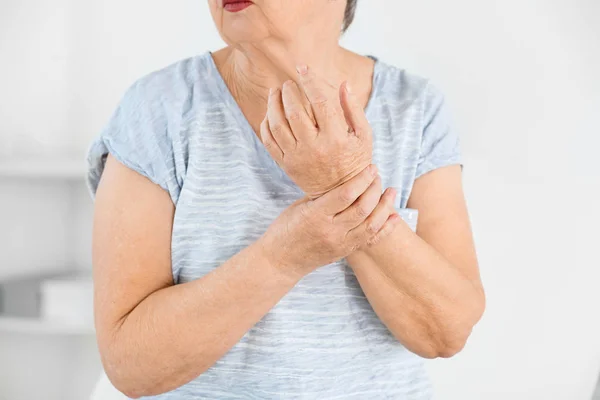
(181, 128)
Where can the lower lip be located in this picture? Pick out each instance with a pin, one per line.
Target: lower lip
(237, 7)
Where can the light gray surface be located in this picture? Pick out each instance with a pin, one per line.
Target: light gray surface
(597, 391)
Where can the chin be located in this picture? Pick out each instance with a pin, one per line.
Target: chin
(243, 31)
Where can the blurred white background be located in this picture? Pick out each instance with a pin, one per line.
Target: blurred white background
(522, 77)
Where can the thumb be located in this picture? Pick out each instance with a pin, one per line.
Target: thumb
(354, 113)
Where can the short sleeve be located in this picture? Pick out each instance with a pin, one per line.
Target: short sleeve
(440, 145)
(137, 136)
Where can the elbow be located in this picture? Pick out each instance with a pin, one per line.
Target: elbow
(127, 384)
(133, 393)
(124, 378)
(434, 349)
(136, 383)
(132, 388)
(450, 336)
(138, 392)
(128, 373)
(451, 348)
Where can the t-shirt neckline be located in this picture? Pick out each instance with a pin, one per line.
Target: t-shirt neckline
(234, 107)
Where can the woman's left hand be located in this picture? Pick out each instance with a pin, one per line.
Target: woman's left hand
(320, 146)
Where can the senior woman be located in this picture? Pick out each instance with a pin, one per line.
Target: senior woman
(244, 245)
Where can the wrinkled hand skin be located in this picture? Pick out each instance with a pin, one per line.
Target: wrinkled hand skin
(313, 233)
(317, 133)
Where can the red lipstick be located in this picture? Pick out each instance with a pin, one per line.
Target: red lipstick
(236, 5)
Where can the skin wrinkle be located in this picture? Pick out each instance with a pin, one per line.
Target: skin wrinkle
(431, 325)
(337, 157)
(170, 335)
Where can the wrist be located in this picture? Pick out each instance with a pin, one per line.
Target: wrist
(358, 257)
(276, 263)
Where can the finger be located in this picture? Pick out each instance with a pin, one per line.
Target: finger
(278, 124)
(300, 120)
(362, 208)
(377, 219)
(371, 229)
(345, 195)
(269, 141)
(315, 90)
(390, 225)
(354, 113)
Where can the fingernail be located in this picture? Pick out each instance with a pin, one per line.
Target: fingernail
(302, 69)
(348, 88)
(270, 92)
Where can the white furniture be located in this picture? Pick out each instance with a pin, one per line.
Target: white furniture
(37, 326)
(60, 168)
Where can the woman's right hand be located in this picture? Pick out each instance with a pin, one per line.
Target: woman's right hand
(313, 233)
(322, 144)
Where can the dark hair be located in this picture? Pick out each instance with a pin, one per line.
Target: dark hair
(349, 14)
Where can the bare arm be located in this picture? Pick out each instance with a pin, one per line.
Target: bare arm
(425, 287)
(144, 320)
(154, 336)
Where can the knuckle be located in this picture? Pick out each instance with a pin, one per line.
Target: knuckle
(346, 195)
(372, 228)
(374, 240)
(320, 101)
(293, 115)
(276, 129)
(268, 143)
(353, 247)
(361, 211)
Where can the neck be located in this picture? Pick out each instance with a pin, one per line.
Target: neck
(251, 70)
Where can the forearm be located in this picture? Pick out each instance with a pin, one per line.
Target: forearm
(177, 333)
(425, 301)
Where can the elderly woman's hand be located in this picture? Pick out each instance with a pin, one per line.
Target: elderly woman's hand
(313, 233)
(320, 146)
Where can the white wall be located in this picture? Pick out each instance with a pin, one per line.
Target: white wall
(33, 76)
(521, 77)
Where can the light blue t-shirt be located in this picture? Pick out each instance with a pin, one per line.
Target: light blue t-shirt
(182, 129)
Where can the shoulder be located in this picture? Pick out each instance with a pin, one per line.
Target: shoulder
(144, 132)
(157, 107)
(167, 90)
(410, 100)
(412, 127)
(397, 87)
